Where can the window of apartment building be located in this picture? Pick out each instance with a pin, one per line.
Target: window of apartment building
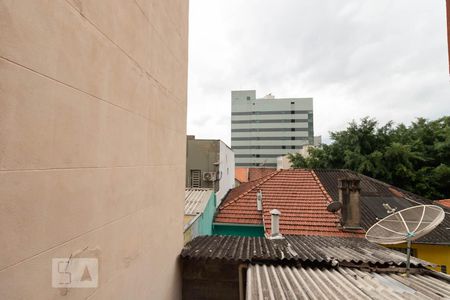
(248, 97)
(292, 147)
(283, 147)
(196, 178)
(293, 138)
(292, 120)
(292, 129)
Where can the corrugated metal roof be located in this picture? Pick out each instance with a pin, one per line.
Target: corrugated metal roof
(277, 282)
(295, 249)
(374, 193)
(195, 200)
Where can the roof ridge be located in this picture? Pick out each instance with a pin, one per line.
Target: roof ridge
(322, 188)
(263, 180)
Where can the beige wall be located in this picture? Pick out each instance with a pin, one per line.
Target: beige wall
(92, 144)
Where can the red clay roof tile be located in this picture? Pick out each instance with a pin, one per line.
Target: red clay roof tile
(257, 173)
(444, 202)
(241, 174)
(297, 194)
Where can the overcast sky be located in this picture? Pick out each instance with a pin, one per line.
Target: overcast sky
(384, 59)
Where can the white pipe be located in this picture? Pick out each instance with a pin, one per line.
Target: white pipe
(275, 213)
(259, 200)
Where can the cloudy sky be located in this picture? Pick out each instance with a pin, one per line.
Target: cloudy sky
(385, 59)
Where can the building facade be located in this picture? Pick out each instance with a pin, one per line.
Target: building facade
(199, 209)
(209, 164)
(92, 145)
(264, 128)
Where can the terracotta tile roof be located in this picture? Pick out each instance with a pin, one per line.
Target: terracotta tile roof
(252, 174)
(239, 206)
(241, 174)
(444, 202)
(257, 173)
(297, 194)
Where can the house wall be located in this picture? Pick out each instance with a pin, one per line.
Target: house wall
(212, 280)
(226, 168)
(437, 254)
(92, 144)
(206, 220)
(201, 224)
(238, 229)
(202, 155)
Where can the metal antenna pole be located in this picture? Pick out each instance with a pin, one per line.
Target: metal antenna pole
(408, 256)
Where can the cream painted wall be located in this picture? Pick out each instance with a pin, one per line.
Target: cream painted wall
(92, 144)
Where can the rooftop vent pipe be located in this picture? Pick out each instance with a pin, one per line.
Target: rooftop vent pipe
(259, 200)
(275, 213)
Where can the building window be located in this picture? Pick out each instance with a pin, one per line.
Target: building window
(292, 102)
(292, 112)
(196, 178)
(292, 138)
(292, 120)
(248, 97)
(292, 129)
(283, 147)
(444, 269)
(292, 147)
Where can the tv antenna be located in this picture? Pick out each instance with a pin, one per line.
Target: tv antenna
(406, 225)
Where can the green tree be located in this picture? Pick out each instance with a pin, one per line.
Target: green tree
(415, 158)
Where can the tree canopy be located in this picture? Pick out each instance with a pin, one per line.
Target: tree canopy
(415, 158)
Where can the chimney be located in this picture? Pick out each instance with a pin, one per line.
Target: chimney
(275, 213)
(349, 196)
(259, 200)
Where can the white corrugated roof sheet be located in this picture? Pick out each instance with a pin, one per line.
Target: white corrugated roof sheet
(276, 282)
(195, 200)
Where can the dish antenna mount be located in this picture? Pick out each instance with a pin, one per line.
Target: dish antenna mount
(406, 225)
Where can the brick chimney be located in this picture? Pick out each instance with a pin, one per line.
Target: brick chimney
(349, 196)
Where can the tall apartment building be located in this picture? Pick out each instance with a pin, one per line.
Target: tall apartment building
(264, 128)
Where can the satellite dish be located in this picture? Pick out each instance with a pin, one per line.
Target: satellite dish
(334, 206)
(406, 225)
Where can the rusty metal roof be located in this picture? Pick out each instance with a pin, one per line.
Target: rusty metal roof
(374, 193)
(295, 249)
(277, 282)
(195, 200)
